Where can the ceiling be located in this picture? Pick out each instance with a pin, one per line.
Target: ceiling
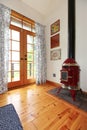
(45, 7)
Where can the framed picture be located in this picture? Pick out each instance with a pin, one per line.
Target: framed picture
(55, 27)
(55, 41)
(55, 54)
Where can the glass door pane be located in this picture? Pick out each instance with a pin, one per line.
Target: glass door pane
(30, 56)
(29, 70)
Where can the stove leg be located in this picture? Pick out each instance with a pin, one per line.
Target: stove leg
(59, 89)
(81, 91)
(73, 94)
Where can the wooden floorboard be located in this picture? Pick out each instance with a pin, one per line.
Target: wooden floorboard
(39, 110)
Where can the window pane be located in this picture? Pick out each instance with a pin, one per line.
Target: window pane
(15, 45)
(29, 57)
(15, 76)
(15, 66)
(29, 74)
(34, 70)
(15, 35)
(29, 39)
(15, 56)
(33, 28)
(29, 48)
(27, 26)
(29, 66)
(9, 66)
(16, 22)
(9, 76)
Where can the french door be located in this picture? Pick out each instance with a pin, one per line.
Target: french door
(21, 57)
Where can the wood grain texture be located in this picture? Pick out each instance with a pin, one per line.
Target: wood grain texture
(40, 111)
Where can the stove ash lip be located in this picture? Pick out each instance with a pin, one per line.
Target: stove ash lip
(69, 87)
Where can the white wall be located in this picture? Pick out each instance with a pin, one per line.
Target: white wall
(24, 9)
(54, 66)
(81, 40)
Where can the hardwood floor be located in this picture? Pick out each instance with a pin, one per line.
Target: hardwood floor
(38, 110)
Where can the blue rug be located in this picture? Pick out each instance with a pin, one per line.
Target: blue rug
(9, 119)
(80, 100)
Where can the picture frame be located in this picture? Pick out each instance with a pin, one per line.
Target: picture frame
(55, 54)
(55, 41)
(55, 27)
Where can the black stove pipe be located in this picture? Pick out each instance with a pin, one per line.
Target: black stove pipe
(71, 29)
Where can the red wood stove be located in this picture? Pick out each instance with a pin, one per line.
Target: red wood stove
(70, 76)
